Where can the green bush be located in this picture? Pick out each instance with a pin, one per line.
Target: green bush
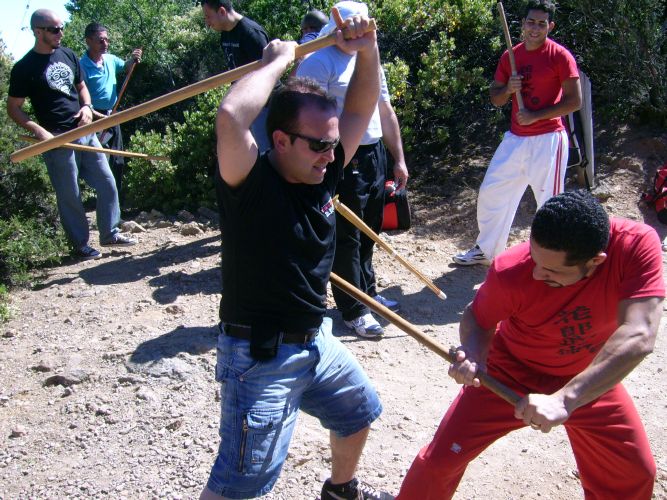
(186, 181)
(25, 245)
(5, 311)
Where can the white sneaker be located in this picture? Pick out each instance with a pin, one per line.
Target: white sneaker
(365, 326)
(471, 257)
(392, 305)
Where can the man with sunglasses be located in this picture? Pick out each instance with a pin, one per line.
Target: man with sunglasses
(363, 185)
(50, 76)
(276, 353)
(99, 72)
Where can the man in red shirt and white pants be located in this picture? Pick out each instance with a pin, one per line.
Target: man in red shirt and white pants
(561, 320)
(534, 151)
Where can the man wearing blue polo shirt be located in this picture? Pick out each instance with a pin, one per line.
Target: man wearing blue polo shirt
(99, 72)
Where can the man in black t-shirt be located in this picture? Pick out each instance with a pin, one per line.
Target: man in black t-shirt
(50, 76)
(242, 41)
(276, 352)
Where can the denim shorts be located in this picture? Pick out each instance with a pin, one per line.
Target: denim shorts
(260, 401)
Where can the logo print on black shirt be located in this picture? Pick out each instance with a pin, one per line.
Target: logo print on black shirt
(60, 77)
(328, 208)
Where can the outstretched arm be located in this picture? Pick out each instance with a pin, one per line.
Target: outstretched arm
(237, 150)
(364, 89)
(632, 341)
(471, 355)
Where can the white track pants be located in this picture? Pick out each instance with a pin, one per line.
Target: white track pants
(537, 161)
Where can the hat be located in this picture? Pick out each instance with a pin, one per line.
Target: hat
(346, 9)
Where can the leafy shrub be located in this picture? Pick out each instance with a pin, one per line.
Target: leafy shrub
(27, 244)
(5, 311)
(186, 181)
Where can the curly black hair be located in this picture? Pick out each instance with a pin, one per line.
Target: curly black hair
(573, 222)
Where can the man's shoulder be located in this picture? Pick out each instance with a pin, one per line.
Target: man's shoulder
(250, 24)
(625, 230)
(514, 260)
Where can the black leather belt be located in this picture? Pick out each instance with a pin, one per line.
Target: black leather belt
(243, 332)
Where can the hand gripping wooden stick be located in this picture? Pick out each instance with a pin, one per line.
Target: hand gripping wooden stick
(486, 380)
(92, 149)
(124, 86)
(165, 100)
(361, 225)
(510, 50)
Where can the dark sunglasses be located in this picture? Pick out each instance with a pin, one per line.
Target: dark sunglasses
(316, 145)
(54, 30)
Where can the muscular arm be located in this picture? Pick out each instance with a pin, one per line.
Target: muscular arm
(16, 113)
(471, 356)
(391, 135)
(500, 92)
(632, 341)
(237, 150)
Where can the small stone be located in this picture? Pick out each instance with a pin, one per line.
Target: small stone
(18, 431)
(190, 229)
(8, 334)
(132, 227)
(174, 309)
(185, 216)
(43, 366)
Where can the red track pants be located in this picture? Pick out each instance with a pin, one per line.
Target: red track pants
(608, 439)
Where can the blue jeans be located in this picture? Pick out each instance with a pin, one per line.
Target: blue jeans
(260, 402)
(65, 166)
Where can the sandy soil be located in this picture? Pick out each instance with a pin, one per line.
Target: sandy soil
(107, 383)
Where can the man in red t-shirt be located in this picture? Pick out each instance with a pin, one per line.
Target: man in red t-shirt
(561, 320)
(534, 150)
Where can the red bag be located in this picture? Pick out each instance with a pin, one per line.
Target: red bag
(658, 195)
(396, 208)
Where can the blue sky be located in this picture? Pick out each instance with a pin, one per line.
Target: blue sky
(15, 22)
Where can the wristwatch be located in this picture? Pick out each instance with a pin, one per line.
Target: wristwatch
(87, 104)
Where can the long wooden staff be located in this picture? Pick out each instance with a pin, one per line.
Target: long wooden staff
(361, 225)
(449, 354)
(124, 86)
(165, 100)
(510, 50)
(92, 149)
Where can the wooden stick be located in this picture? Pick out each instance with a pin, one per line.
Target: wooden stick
(361, 225)
(449, 354)
(165, 100)
(124, 86)
(92, 149)
(510, 50)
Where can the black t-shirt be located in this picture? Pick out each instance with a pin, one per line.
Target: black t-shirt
(244, 43)
(278, 242)
(49, 81)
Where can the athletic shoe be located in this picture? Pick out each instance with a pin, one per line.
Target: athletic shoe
(353, 490)
(392, 305)
(87, 253)
(472, 257)
(118, 240)
(366, 326)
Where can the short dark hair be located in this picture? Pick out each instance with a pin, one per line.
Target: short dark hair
(548, 6)
(573, 222)
(216, 4)
(93, 29)
(314, 20)
(286, 103)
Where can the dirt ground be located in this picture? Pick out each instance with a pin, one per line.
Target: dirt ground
(107, 382)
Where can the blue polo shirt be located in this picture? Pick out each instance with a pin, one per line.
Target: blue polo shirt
(101, 80)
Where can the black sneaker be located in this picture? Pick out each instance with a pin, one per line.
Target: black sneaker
(118, 240)
(87, 253)
(353, 490)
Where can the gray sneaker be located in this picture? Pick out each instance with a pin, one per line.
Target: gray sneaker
(353, 490)
(365, 326)
(472, 257)
(119, 240)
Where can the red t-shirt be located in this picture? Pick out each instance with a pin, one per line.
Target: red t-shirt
(558, 331)
(544, 70)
